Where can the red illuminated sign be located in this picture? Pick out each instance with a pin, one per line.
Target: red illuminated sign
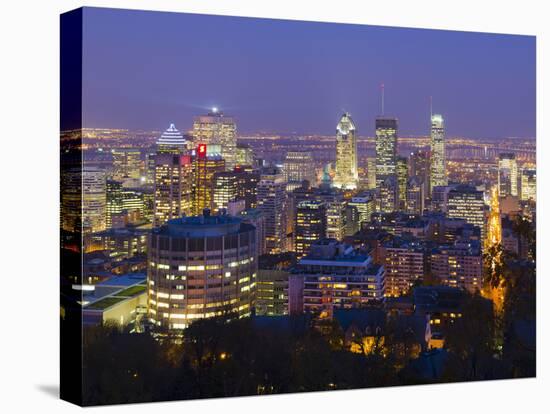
(202, 150)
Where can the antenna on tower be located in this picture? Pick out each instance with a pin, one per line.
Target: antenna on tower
(431, 107)
(382, 97)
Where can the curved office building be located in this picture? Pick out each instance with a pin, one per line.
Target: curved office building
(201, 267)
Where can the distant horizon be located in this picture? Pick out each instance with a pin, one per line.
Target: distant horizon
(148, 69)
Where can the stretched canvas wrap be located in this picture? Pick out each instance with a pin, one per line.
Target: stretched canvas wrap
(256, 206)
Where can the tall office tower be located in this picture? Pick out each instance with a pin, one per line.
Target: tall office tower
(113, 200)
(150, 168)
(440, 197)
(386, 148)
(346, 154)
(438, 173)
(173, 187)
(200, 267)
(216, 128)
(419, 166)
(371, 173)
(121, 203)
(206, 165)
(404, 261)
(302, 193)
(247, 186)
(298, 166)
(336, 211)
(389, 195)
(172, 142)
(459, 265)
(94, 200)
(310, 225)
(71, 200)
(364, 206)
(415, 195)
(402, 174)
(225, 189)
(244, 156)
(126, 163)
(272, 202)
(528, 184)
(507, 175)
(465, 202)
(334, 276)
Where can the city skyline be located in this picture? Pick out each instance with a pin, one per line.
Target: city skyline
(137, 91)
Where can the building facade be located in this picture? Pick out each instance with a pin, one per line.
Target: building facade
(217, 129)
(200, 267)
(438, 174)
(386, 148)
(346, 176)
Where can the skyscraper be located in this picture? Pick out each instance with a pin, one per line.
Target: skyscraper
(346, 154)
(402, 174)
(438, 175)
(389, 194)
(225, 189)
(272, 202)
(298, 166)
(216, 128)
(415, 195)
(310, 225)
(507, 175)
(386, 148)
(528, 184)
(206, 165)
(126, 163)
(419, 166)
(371, 173)
(173, 177)
(94, 200)
(465, 202)
(173, 187)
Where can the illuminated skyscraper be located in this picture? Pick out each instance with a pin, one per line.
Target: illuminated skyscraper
(335, 211)
(389, 194)
(120, 199)
(402, 174)
(206, 165)
(346, 154)
(94, 200)
(507, 175)
(126, 163)
(173, 177)
(465, 202)
(419, 166)
(415, 195)
(216, 128)
(298, 166)
(172, 141)
(310, 225)
(272, 202)
(71, 200)
(371, 173)
(438, 174)
(386, 148)
(200, 267)
(244, 155)
(173, 187)
(225, 189)
(528, 184)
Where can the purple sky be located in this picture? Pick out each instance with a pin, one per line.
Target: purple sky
(143, 70)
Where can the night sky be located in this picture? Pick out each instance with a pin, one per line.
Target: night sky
(143, 70)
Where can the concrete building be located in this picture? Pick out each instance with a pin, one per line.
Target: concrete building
(298, 166)
(334, 276)
(405, 262)
(200, 267)
(507, 175)
(459, 265)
